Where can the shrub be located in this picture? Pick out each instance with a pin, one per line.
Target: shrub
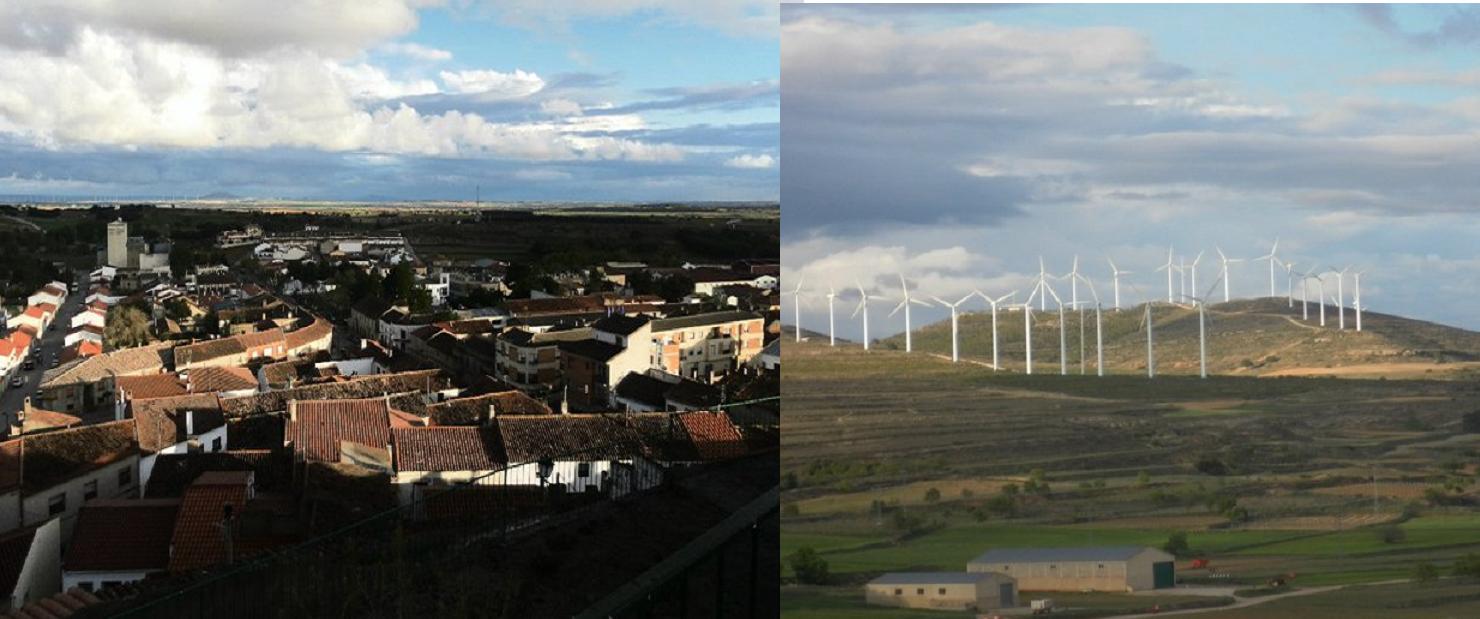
(1176, 544)
(1143, 479)
(809, 567)
(1391, 534)
(932, 495)
(966, 493)
(1425, 572)
(1467, 566)
(1002, 504)
(1209, 465)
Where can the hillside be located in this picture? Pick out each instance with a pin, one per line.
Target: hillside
(1259, 337)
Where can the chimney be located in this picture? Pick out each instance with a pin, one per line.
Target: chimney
(20, 418)
(189, 422)
(491, 413)
(293, 410)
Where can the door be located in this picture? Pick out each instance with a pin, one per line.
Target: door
(1005, 595)
(1163, 575)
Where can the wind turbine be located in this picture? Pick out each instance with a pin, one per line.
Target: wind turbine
(863, 307)
(905, 305)
(1115, 274)
(1042, 273)
(1194, 270)
(1099, 333)
(1202, 330)
(1357, 298)
(1073, 277)
(1340, 297)
(1225, 260)
(796, 308)
(1272, 259)
(1146, 320)
(1321, 283)
(1289, 283)
(1168, 268)
(993, 303)
(955, 356)
(1040, 287)
(832, 339)
(1304, 293)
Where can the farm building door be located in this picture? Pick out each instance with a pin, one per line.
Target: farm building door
(1163, 575)
(1005, 596)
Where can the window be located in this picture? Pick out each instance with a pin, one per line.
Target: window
(941, 591)
(584, 469)
(899, 592)
(125, 476)
(90, 490)
(56, 504)
(920, 591)
(216, 444)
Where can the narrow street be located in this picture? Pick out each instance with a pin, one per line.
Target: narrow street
(51, 344)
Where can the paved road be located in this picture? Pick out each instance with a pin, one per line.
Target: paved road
(11, 399)
(1251, 601)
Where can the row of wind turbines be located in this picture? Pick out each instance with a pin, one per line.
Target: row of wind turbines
(1181, 278)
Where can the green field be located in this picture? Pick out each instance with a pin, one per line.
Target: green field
(896, 462)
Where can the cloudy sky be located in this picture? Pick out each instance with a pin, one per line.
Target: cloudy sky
(958, 144)
(354, 99)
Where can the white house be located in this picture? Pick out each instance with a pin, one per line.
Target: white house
(90, 316)
(89, 333)
(583, 453)
(424, 458)
(90, 462)
(54, 293)
(438, 289)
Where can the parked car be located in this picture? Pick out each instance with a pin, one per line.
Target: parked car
(18, 381)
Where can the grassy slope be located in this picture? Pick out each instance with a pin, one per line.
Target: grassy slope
(1249, 331)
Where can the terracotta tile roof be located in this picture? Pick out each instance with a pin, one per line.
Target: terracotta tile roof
(51, 458)
(594, 437)
(358, 387)
(146, 359)
(39, 419)
(10, 465)
(315, 331)
(556, 305)
(161, 421)
(316, 427)
(201, 352)
(35, 311)
(271, 469)
(54, 290)
(713, 435)
(703, 320)
(447, 449)
(123, 535)
(20, 339)
(642, 388)
(81, 350)
(403, 419)
(6, 348)
(198, 541)
(270, 337)
(693, 394)
(146, 386)
(218, 378)
(474, 410)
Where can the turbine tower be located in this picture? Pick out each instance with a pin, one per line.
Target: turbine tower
(1223, 274)
(1340, 297)
(1289, 283)
(1115, 274)
(1202, 330)
(1099, 333)
(993, 302)
(1357, 297)
(796, 308)
(955, 350)
(1168, 268)
(905, 305)
(1272, 259)
(1194, 270)
(1150, 346)
(863, 307)
(832, 338)
(1321, 284)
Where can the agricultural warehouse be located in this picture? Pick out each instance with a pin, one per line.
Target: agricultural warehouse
(944, 590)
(1100, 568)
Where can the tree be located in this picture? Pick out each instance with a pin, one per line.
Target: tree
(1425, 572)
(1176, 544)
(1143, 479)
(932, 495)
(399, 283)
(1209, 465)
(809, 567)
(1467, 566)
(126, 327)
(1391, 534)
(177, 309)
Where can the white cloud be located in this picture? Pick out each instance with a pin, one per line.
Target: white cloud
(417, 51)
(234, 28)
(744, 17)
(493, 84)
(560, 107)
(752, 162)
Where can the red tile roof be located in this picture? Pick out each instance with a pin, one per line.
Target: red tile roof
(122, 534)
(214, 379)
(714, 436)
(316, 427)
(50, 308)
(35, 311)
(454, 448)
(315, 331)
(149, 386)
(198, 539)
